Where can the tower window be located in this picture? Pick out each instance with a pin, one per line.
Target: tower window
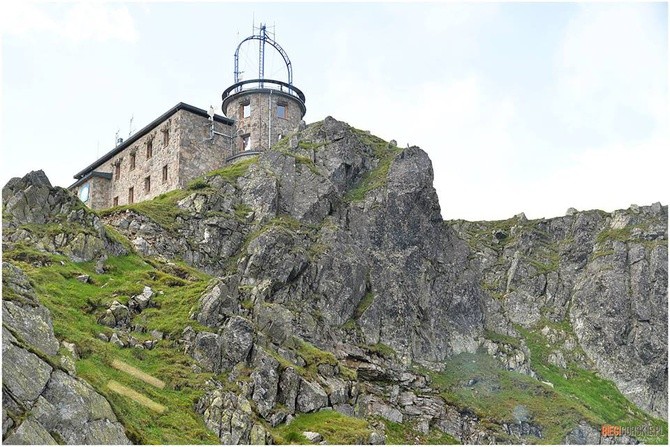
(147, 184)
(115, 201)
(131, 195)
(281, 111)
(150, 149)
(165, 173)
(132, 161)
(246, 110)
(117, 170)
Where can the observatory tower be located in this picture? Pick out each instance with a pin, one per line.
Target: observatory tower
(264, 109)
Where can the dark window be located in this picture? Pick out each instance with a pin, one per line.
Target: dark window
(131, 195)
(115, 201)
(165, 173)
(132, 161)
(166, 136)
(147, 184)
(281, 111)
(150, 149)
(246, 142)
(117, 170)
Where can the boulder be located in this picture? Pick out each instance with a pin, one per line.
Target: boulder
(311, 397)
(312, 437)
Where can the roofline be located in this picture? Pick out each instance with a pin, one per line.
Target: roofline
(106, 175)
(146, 129)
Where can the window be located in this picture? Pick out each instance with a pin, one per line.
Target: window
(147, 184)
(165, 174)
(132, 161)
(246, 142)
(117, 170)
(246, 110)
(279, 137)
(166, 136)
(115, 201)
(150, 149)
(281, 111)
(131, 195)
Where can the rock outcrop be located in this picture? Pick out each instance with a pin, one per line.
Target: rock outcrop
(52, 220)
(42, 402)
(338, 286)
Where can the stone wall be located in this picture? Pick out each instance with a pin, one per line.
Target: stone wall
(179, 153)
(99, 193)
(257, 124)
(198, 154)
(164, 143)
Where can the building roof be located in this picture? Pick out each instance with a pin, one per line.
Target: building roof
(145, 130)
(105, 175)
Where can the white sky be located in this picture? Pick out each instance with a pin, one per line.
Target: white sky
(522, 107)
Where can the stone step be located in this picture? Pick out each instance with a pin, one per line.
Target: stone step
(135, 396)
(131, 370)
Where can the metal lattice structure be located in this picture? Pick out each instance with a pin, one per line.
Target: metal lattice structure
(263, 39)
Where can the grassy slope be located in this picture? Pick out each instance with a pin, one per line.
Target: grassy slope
(75, 307)
(477, 382)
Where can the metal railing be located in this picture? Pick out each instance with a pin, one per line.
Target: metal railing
(265, 84)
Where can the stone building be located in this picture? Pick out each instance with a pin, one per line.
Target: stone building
(186, 141)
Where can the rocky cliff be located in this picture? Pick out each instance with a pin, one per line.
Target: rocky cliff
(321, 276)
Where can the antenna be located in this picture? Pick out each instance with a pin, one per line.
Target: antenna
(130, 125)
(117, 138)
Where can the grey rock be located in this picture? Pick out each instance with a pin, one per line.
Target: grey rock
(25, 315)
(24, 374)
(219, 301)
(84, 278)
(121, 314)
(30, 432)
(312, 437)
(116, 340)
(265, 379)
(78, 413)
(107, 319)
(376, 438)
(311, 397)
(289, 383)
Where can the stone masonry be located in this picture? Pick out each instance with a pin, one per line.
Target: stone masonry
(165, 155)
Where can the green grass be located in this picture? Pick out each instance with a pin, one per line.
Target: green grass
(404, 433)
(603, 401)
(478, 383)
(232, 172)
(163, 209)
(363, 305)
(610, 234)
(335, 428)
(75, 307)
(377, 177)
(382, 350)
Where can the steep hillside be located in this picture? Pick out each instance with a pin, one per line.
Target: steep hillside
(316, 288)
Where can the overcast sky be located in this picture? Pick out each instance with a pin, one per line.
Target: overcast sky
(521, 106)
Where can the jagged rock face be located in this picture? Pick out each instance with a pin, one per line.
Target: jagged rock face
(604, 274)
(43, 404)
(52, 220)
(381, 267)
(335, 276)
(383, 261)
